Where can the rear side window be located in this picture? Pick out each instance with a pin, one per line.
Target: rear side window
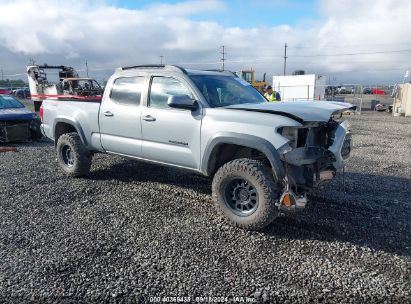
(127, 90)
(164, 87)
(8, 102)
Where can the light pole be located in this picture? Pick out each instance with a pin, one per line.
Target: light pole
(87, 68)
(223, 58)
(285, 58)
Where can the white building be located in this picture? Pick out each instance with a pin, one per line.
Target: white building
(300, 87)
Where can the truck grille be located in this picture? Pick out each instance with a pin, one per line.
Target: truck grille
(346, 147)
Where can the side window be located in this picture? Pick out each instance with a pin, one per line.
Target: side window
(164, 87)
(127, 90)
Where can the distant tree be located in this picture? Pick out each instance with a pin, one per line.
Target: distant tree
(12, 83)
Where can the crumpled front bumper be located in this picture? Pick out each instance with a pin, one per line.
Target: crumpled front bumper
(15, 131)
(308, 167)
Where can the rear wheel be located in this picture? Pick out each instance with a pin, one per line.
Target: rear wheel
(72, 155)
(245, 192)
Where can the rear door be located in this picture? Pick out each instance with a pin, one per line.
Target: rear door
(170, 135)
(120, 116)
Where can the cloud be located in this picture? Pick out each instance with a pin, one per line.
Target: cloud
(188, 8)
(364, 27)
(340, 42)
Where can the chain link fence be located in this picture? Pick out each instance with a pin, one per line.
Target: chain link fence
(367, 98)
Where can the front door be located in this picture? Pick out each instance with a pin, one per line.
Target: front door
(120, 117)
(170, 135)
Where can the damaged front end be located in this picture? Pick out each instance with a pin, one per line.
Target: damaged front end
(17, 123)
(18, 130)
(313, 155)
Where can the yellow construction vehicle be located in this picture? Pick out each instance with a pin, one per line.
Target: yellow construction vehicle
(248, 75)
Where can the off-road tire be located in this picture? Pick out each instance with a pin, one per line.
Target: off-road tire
(81, 157)
(261, 178)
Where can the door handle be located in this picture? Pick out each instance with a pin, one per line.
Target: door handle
(108, 114)
(149, 118)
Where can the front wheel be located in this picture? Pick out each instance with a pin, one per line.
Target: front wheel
(72, 155)
(245, 192)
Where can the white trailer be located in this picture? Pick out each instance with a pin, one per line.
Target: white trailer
(300, 87)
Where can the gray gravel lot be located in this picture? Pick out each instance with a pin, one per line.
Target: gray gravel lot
(131, 231)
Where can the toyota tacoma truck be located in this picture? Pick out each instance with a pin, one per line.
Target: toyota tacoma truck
(263, 157)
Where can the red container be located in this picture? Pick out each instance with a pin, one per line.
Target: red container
(378, 92)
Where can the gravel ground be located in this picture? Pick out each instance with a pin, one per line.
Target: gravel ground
(131, 231)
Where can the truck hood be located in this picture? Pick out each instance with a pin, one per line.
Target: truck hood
(301, 111)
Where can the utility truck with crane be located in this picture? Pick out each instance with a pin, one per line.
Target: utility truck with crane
(68, 87)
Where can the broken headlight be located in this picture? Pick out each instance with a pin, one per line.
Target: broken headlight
(291, 133)
(346, 146)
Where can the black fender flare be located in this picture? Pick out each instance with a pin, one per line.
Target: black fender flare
(73, 123)
(249, 141)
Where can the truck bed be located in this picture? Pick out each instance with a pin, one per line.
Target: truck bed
(82, 114)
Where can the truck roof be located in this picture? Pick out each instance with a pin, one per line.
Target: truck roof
(211, 72)
(172, 68)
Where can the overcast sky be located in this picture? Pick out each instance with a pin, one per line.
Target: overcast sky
(350, 41)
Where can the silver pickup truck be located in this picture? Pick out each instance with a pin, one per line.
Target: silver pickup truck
(263, 157)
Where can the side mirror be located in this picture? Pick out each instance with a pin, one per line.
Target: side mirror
(182, 102)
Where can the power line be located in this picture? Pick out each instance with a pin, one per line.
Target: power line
(239, 60)
(311, 46)
(367, 70)
(354, 54)
(352, 45)
(271, 58)
(259, 60)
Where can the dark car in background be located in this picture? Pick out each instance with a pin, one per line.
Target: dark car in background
(331, 90)
(367, 91)
(22, 93)
(17, 123)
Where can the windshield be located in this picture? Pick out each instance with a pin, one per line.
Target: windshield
(87, 84)
(8, 102)
(220, 91)
(90, 84)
